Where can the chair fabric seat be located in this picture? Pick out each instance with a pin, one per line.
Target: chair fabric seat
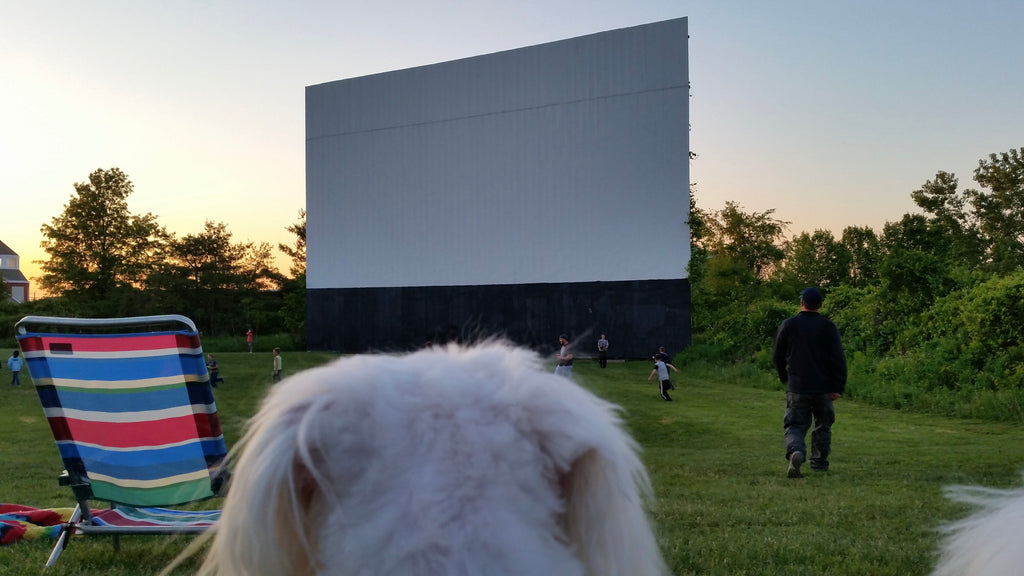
(154, 519)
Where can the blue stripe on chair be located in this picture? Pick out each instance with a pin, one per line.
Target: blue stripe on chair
(141, 400)
(39, 368)
(152, 472)
(193, 450)
(48, 396)
(199, 393)
(120, 369)
(192, 363)
(137, 464)
(169, 513)
(215, 448)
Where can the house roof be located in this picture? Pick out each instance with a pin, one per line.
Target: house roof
(5, 250)
(13, 277)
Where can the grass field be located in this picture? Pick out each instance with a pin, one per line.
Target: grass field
(724, 505)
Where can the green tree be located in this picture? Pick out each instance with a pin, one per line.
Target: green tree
(736, 253)
(206, 259)
(297, 252)
(751, 239)
(697, 221)
(816, 259)
(914, 271)
(974, 227)
(255, 269)
(913, 233)
(213, 277)
(865, 250)
(1000, 211)
(295, 288)
(98, 250)
(955, 233)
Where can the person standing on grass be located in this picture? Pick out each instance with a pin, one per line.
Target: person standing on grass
(661, 369)
(248, 339)
(214, 369)
(14, 365)
(808, 355)
(564, 357)
(602, 351)
(277, 365)
(662, 355)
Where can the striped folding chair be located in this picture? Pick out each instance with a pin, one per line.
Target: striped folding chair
(130, 406)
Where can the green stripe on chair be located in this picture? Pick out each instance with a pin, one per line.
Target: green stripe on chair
(178, 493)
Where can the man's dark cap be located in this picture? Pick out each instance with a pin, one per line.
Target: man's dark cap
(812, 297)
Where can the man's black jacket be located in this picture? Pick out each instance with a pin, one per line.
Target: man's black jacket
(809, 355)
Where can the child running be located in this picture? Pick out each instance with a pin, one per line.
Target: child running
(661, 369)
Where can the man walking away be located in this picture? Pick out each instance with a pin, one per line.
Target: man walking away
(809, 357)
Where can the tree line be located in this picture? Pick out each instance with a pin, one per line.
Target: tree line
(931, 308)
(105, 261)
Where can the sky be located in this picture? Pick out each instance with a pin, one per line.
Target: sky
(828, 113)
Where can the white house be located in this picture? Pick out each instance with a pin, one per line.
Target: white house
(12, 276)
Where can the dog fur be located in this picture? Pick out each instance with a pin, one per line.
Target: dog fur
(447, 461)
(989, 541)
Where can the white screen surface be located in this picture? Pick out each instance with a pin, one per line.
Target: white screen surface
(563, 162)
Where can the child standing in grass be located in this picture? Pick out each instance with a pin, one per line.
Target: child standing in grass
(14, 364)
(277, 364)
(661, 369)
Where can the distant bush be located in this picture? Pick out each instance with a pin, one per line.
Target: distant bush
(739, 334)
(261, 343)
(963, 356)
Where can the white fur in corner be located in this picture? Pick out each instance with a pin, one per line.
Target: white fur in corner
(989, 542)
(448, 461)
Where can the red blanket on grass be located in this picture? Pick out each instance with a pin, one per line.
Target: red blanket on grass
(19, 522)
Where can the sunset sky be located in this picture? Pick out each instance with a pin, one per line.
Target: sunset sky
(830, 113)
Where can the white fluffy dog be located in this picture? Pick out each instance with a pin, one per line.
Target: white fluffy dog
(988, 542)
(448, 461)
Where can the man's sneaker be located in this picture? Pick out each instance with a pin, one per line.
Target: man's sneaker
(795, 460)
(666, 397)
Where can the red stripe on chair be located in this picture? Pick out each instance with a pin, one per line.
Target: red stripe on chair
(60, 429)
(92, 343)
(132, 434)
(208, 425)
(31, 344)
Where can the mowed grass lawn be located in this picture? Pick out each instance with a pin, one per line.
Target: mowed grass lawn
(724, 505)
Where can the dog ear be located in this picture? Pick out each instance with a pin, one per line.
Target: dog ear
(605, 487)
(272, 511)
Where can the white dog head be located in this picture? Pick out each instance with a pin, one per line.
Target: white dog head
(447, 461)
